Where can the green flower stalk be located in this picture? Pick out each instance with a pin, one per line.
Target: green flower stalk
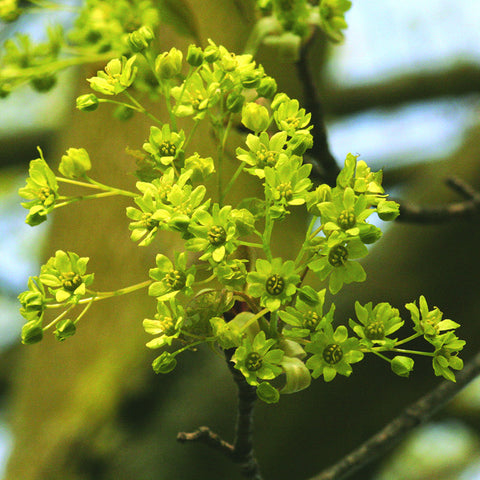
(275, 283)
(41, 191)
(333, 352)
(171, 279)
(65, 275)
(257, 360)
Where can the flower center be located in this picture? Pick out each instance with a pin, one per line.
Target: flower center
(332, 353)
(175, 279)
(346, 219)
(375, 331)
(337, 256)
(275, 284)
(167, 149)
(285, 190)
(168, 325)
(266, 159)
(217, 235)
(44, 193)
(149, 222)
(253, 362)
(310, 320)
(71, 281)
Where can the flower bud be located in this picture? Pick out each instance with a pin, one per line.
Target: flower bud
(301, 141)
(388, 210)
(75, 163)
(165, 363)
(123, 113)
(194, 56)
(211, 53)
(87, 103)
(255, 117)
(251, 79)
(140, 39)
(279, 99)
(169, 64)
(9, 10)
(267, 393)
(267, 87)
(65, 328)
(235, 102)
(32, 332)
(44, 83)
(402, 366)
(369, 233)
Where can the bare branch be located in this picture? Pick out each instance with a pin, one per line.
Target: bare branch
(324, 164)
(241, 452)
(439, 214)
(419, 412)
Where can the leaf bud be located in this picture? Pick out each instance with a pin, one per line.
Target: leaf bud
(255, 117)
(267, 87)
(65, 328)
(75, 163)
(194, 56)
(32, 332)
(140, 39)
(169, 64)
(165, 363)
(87, 103)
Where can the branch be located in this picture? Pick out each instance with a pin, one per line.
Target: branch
(324, 165)
(419, 412)
(241, 452)
(457, 81)
(418, 214)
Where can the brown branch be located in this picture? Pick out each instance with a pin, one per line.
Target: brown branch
(419, 412)
(456, 81)
(439, 214)
(324, 165)
(241, 452)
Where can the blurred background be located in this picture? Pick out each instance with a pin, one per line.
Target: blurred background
(403, 91)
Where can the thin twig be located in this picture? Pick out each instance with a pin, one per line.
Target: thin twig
(241, 452)
(439, 214)
(419, 412)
